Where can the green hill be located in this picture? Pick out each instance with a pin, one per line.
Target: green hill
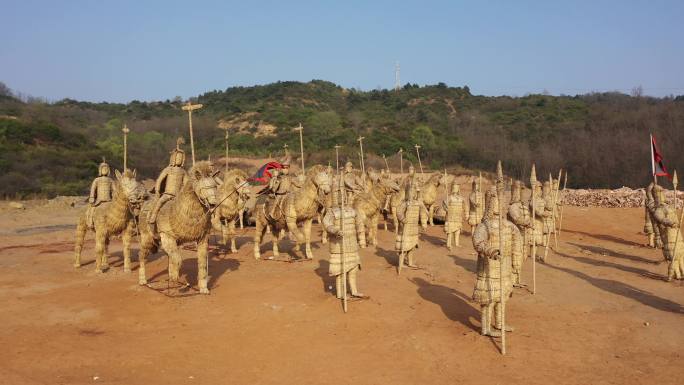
(602, 139)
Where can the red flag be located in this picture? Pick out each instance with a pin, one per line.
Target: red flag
(657, 166)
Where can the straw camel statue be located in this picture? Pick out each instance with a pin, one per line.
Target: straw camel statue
(112, 218)
(368, 206)
(232, 194)
(300, 206)
(184, 219)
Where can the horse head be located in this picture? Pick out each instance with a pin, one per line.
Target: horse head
(389, 185)
(236, 182)
(133, 190)
(202, 177)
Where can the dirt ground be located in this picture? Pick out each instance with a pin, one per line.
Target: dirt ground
(602, 314)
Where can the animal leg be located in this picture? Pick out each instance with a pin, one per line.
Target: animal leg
(361, 228)
(431, 215)
(259, 231)
(373, 233)
(231, 234)
(307, 238)
(224, 232)
(126, 238)
(146, 245)
(105, 255)
(81, 230)
(395, 220)
(203, 265)
(100, 240)
(171, 248)
(276, 251)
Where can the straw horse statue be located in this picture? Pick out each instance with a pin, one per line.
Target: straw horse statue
(300, 206)
(184, 219)
(231, 194)
(428, 194)
(112, 218)
(369, 204)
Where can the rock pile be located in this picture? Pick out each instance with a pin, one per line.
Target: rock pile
(622, 197)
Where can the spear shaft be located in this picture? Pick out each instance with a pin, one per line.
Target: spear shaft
(344, 270)
(502, 302)
(560, 221)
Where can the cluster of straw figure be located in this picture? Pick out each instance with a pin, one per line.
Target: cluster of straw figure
(506, 228)
(662, 226)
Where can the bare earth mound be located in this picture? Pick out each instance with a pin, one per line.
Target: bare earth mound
(602, 314)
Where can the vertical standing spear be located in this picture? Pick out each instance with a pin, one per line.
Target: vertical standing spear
(502, 297)
(479, 197)
(342, 196)
(191, 107)
(553, 212)
(125, 131)
(401, 161)
(556, 189)
(675, 182)
(226, 143)
(560, 220)
(418, 154)
(337, 156)
(533, 185)
(363, 166)
(301, 143)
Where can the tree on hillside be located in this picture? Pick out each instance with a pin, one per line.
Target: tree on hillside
(4, 90)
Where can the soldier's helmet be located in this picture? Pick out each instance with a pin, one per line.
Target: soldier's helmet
(491, 203)
(476, 187)
(411, 169)
(516, 194)
(455, 188)
(546, 188)
(178, 155)
(103, 169)
(285, 163)
(348, 166)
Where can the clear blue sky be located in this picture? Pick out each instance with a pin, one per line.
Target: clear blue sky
(151, 50)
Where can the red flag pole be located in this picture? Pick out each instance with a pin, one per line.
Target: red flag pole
(653, 170)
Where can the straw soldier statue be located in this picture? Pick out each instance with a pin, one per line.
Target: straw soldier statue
(650, 225)
(409, 213)
(279, 185)
(170, 181)
(352, 262)
(519, 215)
(454, 206)
(489, 271)
(547, 195)
(411, 177)
(668, 222)
(352, 184)
(476, 205)
(540, 214)
(101, 190)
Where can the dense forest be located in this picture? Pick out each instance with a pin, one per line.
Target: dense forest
(51, 148)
